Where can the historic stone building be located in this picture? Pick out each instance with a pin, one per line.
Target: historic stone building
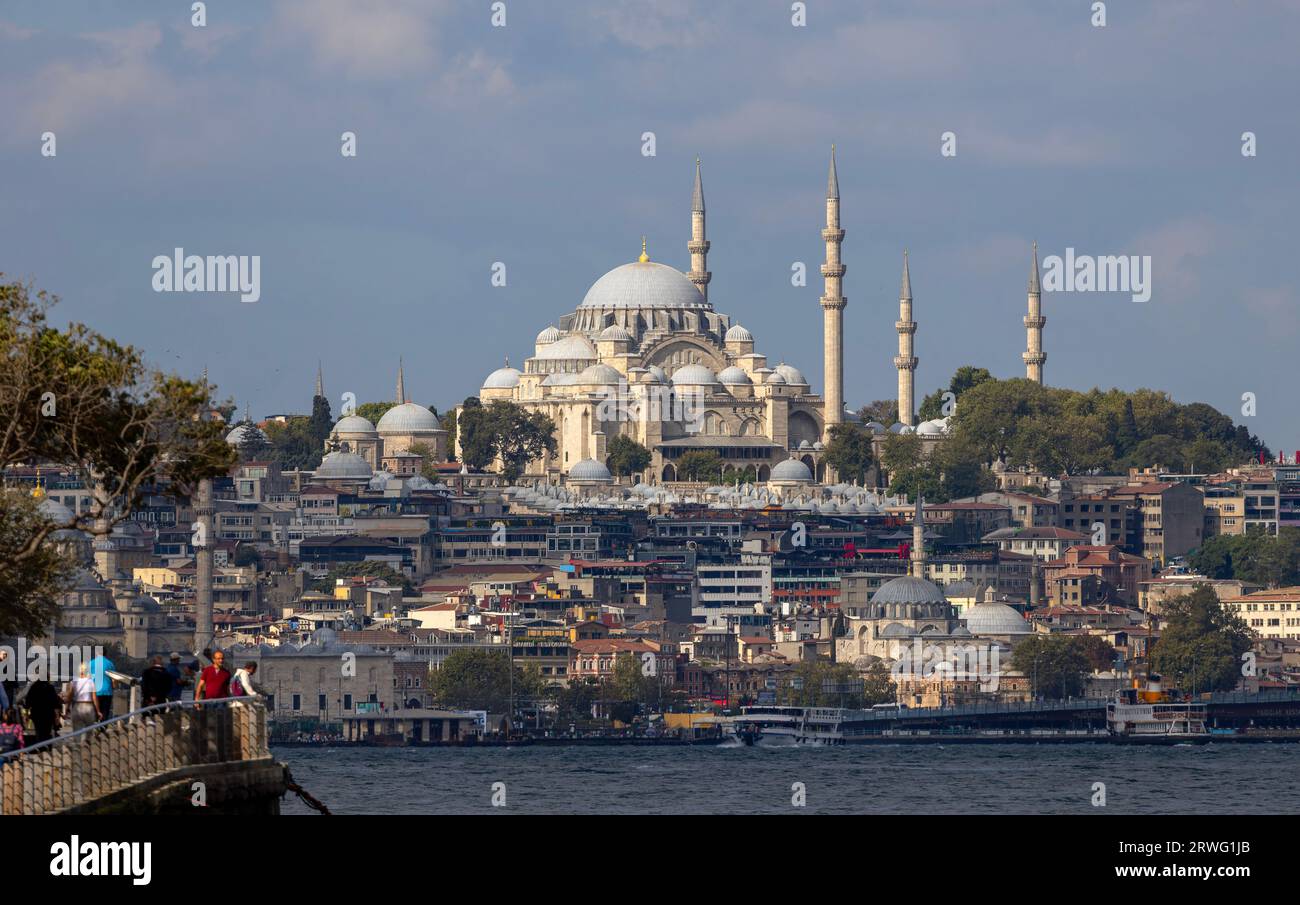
(646, 355)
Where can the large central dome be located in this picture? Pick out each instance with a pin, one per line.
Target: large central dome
(644, 284)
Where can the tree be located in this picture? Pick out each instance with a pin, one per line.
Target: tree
(965, 378)
(428, 460)
(77, 398)
(253, 445)
(628, 689)
(821, 683)
(1256, 557)
(882, 411)
(366, 569)
(878, 687)
(292, 444)
(373, 411)
(849, 452)
(1057, 665)
(1201, 646)
(626, 457)
(504, 431)
(699, 465)
(321, 422)
(479, 679)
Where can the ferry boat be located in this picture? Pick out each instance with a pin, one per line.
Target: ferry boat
(771, 726)
(1150, 715)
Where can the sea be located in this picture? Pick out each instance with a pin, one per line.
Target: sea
(1223, 778)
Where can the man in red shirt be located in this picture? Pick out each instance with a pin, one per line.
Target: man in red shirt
(214, 681)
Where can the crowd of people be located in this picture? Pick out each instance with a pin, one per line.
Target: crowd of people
(39, 711)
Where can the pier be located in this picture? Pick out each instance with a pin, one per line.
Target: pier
(167, 759)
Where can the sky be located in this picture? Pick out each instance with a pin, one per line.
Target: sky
(523, 145)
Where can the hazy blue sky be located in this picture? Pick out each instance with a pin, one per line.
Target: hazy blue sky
(522, 145)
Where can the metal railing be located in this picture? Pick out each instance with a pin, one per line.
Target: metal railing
(108, 757)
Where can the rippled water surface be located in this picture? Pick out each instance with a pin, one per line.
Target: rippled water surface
(929, 779)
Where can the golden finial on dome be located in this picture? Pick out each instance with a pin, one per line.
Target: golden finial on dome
(38, 492)
(645, 258)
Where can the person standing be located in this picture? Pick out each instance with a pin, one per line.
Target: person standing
(99, 669)
(214, 681)
(242, 683)
(83, 703)
(44, 707)
(155, 683)
(178, 677)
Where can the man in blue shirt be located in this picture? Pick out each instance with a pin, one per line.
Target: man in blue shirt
(178, 677)
(99, 668)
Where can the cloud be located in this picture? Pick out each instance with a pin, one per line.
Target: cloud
(72, 95)
(646, 26)
(376, 39)
(1179, 249)
(10, 32)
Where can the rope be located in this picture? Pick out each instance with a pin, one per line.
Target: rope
(307, 798)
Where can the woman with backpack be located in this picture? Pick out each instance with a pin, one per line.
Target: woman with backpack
(11, 731)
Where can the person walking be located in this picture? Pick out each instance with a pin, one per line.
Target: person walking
(83, 703)
(242, 683)
(44, 707)
(11, 731)
(214, 681)
(155, 683)
(99, 669)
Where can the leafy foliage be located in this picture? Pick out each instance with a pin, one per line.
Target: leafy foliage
(504, 431)
(626, 457)
(479, 679)
(699, 465)
(1256, 556)
(1201, 645)
(77, 398)
(1058, 666)
(849, 452)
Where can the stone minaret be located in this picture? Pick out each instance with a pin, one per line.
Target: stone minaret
(1034, 321)
(401, 383)
(833, 303)
(320, 380)
(918, 538)
(905, 361)
(203, 567)
(699, 246)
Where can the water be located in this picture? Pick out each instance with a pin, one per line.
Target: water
(870, 779)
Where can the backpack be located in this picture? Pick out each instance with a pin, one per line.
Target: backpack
(237, 688)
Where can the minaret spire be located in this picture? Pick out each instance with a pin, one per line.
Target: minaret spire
(401, 383)
(905, 361)
(320, 379)
(833, 302)
(1034, 321)
(699, 245)
(918, 538)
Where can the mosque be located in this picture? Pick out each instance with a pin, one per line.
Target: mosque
(647, 356)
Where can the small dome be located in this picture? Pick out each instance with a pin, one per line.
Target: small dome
(615, 333)
(407, 417)
(549, 335)
(929, 429)
(791, 470)
(590, 470)
(657, 373)
(694, 376)
(573, 347)
(899, 427)
(875, 427)
(908, 589)
(734, 375)
(55, 512)
(502, 379)
(792, 375)
(560, 379)
(995, 619)
(379, 481)
(343, 465)
(776, 378)
(246, 432)
(600, 375)
(353, 424)
(738, 334)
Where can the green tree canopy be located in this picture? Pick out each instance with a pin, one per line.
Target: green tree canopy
(849, 452)
(1201, 645)
(504, 431)
(626, 457)
(479, 679)
(77, 398)
(699, 465)
(1058, 666)
(373, 411)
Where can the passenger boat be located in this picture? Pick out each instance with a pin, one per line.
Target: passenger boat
(1150, 715)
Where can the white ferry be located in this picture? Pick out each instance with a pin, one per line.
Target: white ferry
(1148, 715)
(770, 726)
